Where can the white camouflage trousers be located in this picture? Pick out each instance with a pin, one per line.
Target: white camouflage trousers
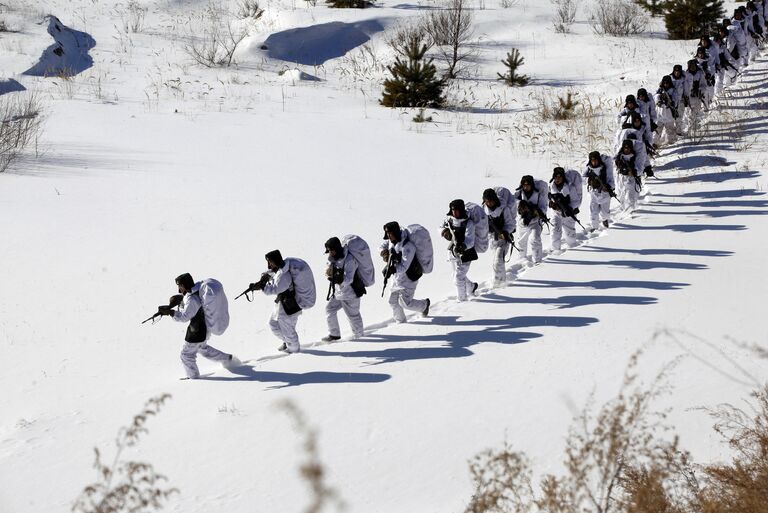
(500, 249)
(189, 356)
(284, 327)
(666, 133)
(560, 224)
(599, 206)
(629, 192)
(531, 232)
(464, 286)
(351, 308)
(401, 299)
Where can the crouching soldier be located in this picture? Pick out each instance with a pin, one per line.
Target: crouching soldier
(196, 340)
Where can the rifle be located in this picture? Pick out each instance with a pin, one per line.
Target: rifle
(453, 247)
(389, 270)
(265, 277)
(564, 208)
(336, 276)
(602, 187)
(526, 209)
(173, 302)
(502, 234)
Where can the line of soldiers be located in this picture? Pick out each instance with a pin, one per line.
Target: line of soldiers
(644, 122)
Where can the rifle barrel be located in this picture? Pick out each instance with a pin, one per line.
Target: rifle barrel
(150, 318)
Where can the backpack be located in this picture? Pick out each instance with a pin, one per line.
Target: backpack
(360, 251)
(577, 186)
(478, 216)
(506, 198)
(303, 282)
(215, 306)
(423, 242)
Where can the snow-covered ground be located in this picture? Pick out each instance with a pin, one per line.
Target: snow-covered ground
(151, 166)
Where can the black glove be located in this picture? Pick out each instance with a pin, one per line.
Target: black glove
(259, 284)
(460, 248)
(164, 310)
(446, 234)
(575, 211)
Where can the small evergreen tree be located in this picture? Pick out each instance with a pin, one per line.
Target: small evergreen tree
(349, 4)
(413, 83)
(513, 61)
(566, 108)
(688, 19)
(654, 7)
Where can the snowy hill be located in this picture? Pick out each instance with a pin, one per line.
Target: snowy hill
(151, 166)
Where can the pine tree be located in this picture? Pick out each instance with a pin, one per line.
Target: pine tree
(513, 61)
(688, 19)
(413, 83)
(654, 7)
(349, 4)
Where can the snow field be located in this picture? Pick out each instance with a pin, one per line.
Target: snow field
(129, 193)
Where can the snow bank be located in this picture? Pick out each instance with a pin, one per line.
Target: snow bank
(296, 75)
(317, 44)
(10, 86)
(68, 56)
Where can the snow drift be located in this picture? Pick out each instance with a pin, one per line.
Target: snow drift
(317, 44)
(68, 56)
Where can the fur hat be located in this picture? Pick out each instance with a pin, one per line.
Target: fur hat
(276, 258)
(457, 204)
(334, 244)
(392, 227)
(185, 280)
(558, 171)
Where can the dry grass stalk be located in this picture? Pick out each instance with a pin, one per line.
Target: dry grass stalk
(126, 486)
(312, 470)
(20, 125)
(740, 486)
(616, 460)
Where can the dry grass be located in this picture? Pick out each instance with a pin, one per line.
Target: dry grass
(624, 459)
(740, 486)
(20, 125)
(126, 486)
(605, 452)
(312, 470)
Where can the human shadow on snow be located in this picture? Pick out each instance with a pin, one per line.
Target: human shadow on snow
(694, 162)
(684, 228)
(657, 252)
(565, 302)
(640, 265)
(290, 379)
(456, 344)
(718, 213)
(601, 284)
(731, 193)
